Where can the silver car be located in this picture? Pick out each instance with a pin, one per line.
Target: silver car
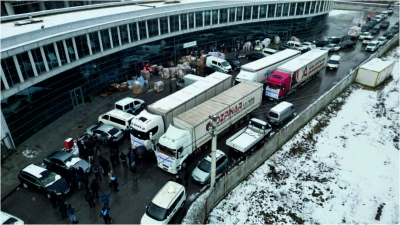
(105, 130)
(202, 173)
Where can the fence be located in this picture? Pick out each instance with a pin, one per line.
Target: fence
(245, 168)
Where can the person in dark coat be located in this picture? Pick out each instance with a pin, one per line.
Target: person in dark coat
(71, 179)
(104, 198)
(95, 188)
(53, 199)
(113, 157)
(186, 176)
(96, 171)
(105, 165)
(114, 183)
(122, 156)
(79, 178)
(178, 179)
(71, 213)
(86, 181)
(90, 153)
(62, 206)
(89, 199)
(105, 213)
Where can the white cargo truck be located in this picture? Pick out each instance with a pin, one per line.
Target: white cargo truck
(374, 72)
(260, 70)
(190, 131)
(187, 80)
(250, 138)
(150, 124)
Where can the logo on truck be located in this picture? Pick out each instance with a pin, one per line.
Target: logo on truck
(298, 76)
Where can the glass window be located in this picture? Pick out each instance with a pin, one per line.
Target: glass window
(279, 8)
(285, 9)
(271, 10)
(312, 10)
(164, 25)
(142, 30)
(191, 20)
(184, 21)
(123, 31)
(232, 14)
(94, 42)
(207, 18)
(51, 56)
(152, 25)
(223, 15)
(70, 49)
(321, 4)
(81, 46)
(61, 52)
(307, 7)
(292, 9)
(114, 35)
(10, 71)
(316, 6)
(247, 12)
(215, 16)
(255, 12)
(300, 8)
(25, 65)
(38, 59)
(133, 31)
(199, 19)
(105, 39)
(174, 23)
(263, 11)
(239, 13)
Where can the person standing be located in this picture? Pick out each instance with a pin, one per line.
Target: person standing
(89, 199)
(113, 157)
(96, 171)
(62, 206)
(71, 214)
(178, 179)
(133, 174)
(105, 165)
(127, 132)
(104, 198)
(114, 183)
(105, 213)
(53, 199)
(186, 176)
(78, 178)
(90, 153)
(123, 160)
(132, 158)
(95, 188)
(109, 174)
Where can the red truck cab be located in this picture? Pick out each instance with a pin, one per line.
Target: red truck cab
(278, 84)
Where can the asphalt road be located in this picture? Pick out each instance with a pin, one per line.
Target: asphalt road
(128, 205)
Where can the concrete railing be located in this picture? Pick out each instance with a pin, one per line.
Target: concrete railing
(200, 209)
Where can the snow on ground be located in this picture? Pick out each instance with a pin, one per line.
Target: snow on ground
(343, 167)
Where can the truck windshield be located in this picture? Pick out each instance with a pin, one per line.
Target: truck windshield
(274, 86)
(165, 150)
(156, 212)
(140, 134)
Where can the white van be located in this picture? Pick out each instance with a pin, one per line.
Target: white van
(116, 118)
(129, 103)
(281, 112)
(187, 80)
(165, 204)
(220, 63)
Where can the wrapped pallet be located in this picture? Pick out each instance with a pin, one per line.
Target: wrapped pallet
(180, 61)
(165, 73)
(144, 73)
(202, 58)
(160, 68)
(172, 71)
(146, 76)
(137, 88)
(181, 73)
(158, 86)
(123, 87)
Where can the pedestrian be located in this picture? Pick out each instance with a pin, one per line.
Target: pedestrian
(89, 199)
(123, 160)
(114, 144)
(170, 87)
(178, 179)
(72, 178)
(109, 174)
(132, 158)
(53, 199)
(114, 183)
(186, 176)
(105, 166)
(62, 206)
(105, 213)
(97, 150)
(112, 158)
(86, 181)
(104, 198)
(127, 132)
(78, 178)
(71, 214)
(90, 153)
(95, 188)
(133, 174)
(96, 171)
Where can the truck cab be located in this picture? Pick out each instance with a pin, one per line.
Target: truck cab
(146, 127)
(278, 85)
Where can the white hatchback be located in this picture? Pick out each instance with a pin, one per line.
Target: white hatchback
(372, 46)
(382, 40)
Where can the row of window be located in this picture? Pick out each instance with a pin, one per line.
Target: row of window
(35, 62)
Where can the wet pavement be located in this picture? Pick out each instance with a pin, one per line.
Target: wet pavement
(128, 205)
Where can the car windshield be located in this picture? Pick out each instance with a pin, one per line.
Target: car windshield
(371, 44)
(205, 166)
(156, 212)
(273, 115)
(333, 61)
(236, 62)
(225, 63)
(140, 134)
(48, 178)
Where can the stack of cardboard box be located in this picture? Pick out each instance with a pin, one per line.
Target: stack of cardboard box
(137, 87)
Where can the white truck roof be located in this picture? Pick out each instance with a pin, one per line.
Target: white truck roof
(269, 60)
(376, 65)
(302, 60)
(178, 98)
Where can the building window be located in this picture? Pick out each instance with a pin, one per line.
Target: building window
(214, 16)
(183, 21)
(321, 3)
(292, 9)
(207, 18)
(114, 35)
(174, 23)
(232, 14)
(152, 25)
(133, 31)
(51, 57)
(239, 13)
(164, 25)
(25, 65)
(199, 19)
(300, 8)
(247, 12)
(38, 59)
(94, 42)
(71, 50)
(191, 20)
(142, 30)
(271, 11)
(123, 31)
(312, 10)
(279, 7)
(81, 46)
(223, 15)
(263, 11)
(285, 10)
(10, 71)
(105, 39)
(61, 53)
(255, 12)
(307, 7)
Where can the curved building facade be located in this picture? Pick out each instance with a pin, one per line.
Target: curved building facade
(47, 72)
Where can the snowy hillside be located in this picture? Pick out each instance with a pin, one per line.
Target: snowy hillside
(343, 167)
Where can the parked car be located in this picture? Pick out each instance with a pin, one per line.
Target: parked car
(347, 44)
(10, 219)
(322, 42)
(375, 30)
(61, 161)
(46, 181)
(388, 34)
(390, 10)
(378, 18)
(254, 56)
(333, 62)
(367, 40)
(364, 35)
(331, 47)
(384, 16)
(202, 173)
(372, 46)
(235, 64)
(297, 45)
(309, 45)
(394, 29)
(384, 24)
(382, 40)
(335, 40)
(373, 22)
(366, 27)
(104, 130)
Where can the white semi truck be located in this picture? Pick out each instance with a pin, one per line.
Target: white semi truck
(250, 138)
(150, 124)
(190, 131)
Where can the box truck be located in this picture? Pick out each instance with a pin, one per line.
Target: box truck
(374, 72)
(354, 32)
(190, 131)
(187, 80)
(150, 124)
(288, 77)
(260, 70)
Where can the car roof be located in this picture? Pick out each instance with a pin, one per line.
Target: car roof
(61, 155)
(218, 155)
(167, 193)
(34, 170)
(105, 127)
(335, 57)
